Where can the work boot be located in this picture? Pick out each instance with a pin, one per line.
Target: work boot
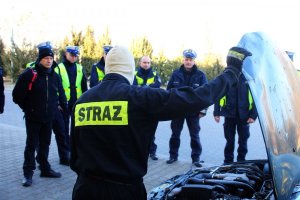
(27, 181)
(171, 160)
(153, 156)
(50, 174)
(197, 163)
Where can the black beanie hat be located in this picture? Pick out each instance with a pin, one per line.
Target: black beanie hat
(45, 52)
(236, 56)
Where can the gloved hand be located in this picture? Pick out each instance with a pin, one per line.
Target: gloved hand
(235, 58)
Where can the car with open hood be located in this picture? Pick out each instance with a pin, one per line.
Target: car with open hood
(275, 87)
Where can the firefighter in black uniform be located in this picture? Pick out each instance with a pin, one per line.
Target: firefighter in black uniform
(187, 75)
(239, 110)
(36, 92)
(113, 125)
(145, 76)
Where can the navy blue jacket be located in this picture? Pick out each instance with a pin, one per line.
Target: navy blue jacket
(237, 103)
(40, 102)
(2, 96)
(194, 78)
(94, 80)
(121, 152)
(145, 75)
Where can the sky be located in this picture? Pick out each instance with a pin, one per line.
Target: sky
(207, 26)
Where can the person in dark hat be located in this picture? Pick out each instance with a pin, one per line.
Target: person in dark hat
(98, 72)
(113, 125)
(36, 93)
(58, 124)
(238, 109)
(73, 80)
(187, 75)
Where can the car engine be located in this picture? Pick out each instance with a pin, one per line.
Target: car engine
(240, 180)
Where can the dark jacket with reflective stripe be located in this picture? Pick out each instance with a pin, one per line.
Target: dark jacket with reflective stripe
(237, 103)
(94, 79)
(121, 152)
(40, 103)
(145, 75)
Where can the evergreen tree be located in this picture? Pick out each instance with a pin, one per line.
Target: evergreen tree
(77, 38)
(88, 57)
(105, 39)
(89, 43)
(2, 52)
(141, 47)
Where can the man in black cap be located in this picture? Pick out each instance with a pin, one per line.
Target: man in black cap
(58, 124)
(239, 110)
(36, 93)
(113, 125)
(97, 72)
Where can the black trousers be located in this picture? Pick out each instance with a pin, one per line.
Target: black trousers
(153, 146)
(194, 129)
(231, 125)
(61, 136)
(95, 189)
(38, 137)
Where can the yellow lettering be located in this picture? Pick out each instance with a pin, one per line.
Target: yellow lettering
(101, 113)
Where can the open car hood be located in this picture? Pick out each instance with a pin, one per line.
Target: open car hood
(275, 87)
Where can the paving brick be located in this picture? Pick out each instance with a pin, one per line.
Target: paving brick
(12, 143)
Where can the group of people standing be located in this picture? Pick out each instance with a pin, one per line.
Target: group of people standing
(47, 92)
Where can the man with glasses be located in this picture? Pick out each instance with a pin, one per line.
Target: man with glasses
(73, 80)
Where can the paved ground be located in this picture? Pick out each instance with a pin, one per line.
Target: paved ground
(12, 142)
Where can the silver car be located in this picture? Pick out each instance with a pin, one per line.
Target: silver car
(275, 87)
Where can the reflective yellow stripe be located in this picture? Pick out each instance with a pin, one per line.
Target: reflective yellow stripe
(62, 71)
(100, 74)
(31, 64)
(250, 100)
(101, 113)
(222, 101)
(236, 55)
(140, 80)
